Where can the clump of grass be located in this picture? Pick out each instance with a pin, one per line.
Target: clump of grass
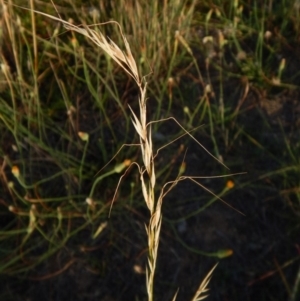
(43, 183)
(235, 40)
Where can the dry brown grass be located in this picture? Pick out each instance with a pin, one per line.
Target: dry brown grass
(147, 173)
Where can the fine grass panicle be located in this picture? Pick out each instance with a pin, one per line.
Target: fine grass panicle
(65, 90)
(147, 173)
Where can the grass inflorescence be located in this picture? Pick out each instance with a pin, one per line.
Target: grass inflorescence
(97, 115)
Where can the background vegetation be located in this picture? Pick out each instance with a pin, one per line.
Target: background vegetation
(229, 71)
